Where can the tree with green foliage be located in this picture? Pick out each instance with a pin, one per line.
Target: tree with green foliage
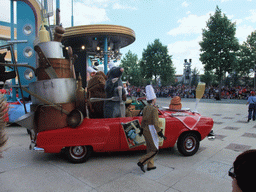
(156, 63)
(246, 58)
(131, 67)
(194, 77)
(219, 45)
(207, 78)
(251, 41)
(244, 63)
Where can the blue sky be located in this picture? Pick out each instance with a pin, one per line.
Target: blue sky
(177, 23)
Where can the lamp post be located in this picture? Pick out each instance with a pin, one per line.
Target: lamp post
(187, 71)
(72, 15)
(12, 38)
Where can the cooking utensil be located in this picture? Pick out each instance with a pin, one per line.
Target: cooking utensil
(74, 118)
(122, 107)
(57, 16)
(48, 68)
(71, 59)
(52, 49)
(61, 90)
(61, 67)
(26, 120)
(45, 101)
(59, 33)
(104, 99)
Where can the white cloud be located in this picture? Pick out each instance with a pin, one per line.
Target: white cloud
(185, 4)
(181, 50)
(96, 2)
(5, 11)
(119, 6)
(238, 21)
(223, 0)
(83, 14)
(252, 18)
(242, 32)
(192, 24)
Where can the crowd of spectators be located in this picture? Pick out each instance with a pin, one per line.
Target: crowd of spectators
(185, 91)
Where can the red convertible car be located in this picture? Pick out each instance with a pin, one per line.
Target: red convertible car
(121, 134)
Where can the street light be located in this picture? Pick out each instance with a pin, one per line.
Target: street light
(187, 70)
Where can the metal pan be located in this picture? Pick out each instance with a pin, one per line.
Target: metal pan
(61, 90)
(74, 118)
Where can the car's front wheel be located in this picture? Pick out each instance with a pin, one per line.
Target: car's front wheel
(188, 144)
(78, 154)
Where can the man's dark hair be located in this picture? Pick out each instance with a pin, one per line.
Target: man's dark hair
(245, 169)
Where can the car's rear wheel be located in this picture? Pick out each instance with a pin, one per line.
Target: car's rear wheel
(78, 154)
(188, 144)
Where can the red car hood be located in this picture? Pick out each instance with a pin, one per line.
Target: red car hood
(189, 119)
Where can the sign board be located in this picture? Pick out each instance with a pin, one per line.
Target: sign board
(132, 129)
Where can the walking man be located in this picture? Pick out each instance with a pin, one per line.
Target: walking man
(252, 106)
(150, 130)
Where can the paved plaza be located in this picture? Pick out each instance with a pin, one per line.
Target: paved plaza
(23, 170)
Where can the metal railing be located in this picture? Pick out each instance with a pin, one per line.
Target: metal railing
(10, 47)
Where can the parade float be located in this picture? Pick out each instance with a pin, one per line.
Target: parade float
(58, 119)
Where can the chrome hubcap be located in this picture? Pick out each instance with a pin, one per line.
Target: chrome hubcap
(78, 152)
(190, 144)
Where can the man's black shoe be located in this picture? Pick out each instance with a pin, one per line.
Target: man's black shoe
(248, 120)
(150, 168)
(141, 166)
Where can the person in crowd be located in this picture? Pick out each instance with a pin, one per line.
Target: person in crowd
(252, 106)
(150, 130)
(243, 172)
(126, 88)
(138, 92)
(110, 65)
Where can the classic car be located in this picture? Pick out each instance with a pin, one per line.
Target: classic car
(184, 127)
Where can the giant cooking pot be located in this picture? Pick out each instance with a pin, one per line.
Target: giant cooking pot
(61, 90)
(52, 49)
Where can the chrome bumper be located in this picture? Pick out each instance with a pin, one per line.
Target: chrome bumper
(33, 147)
(211, 135)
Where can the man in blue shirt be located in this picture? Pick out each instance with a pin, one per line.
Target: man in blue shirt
(252, 106)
